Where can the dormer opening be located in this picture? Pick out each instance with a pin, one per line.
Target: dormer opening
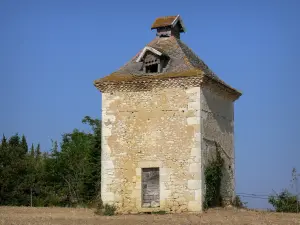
(151, 63)
(155, 66)
(153, 60)
(152, 68)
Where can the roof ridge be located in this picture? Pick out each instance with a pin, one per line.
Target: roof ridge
(179, 42)
(182, 44)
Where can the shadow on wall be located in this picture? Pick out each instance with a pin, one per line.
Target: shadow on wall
(217, 113)
(217, 124)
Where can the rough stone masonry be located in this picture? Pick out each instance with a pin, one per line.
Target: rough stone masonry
(162, 117)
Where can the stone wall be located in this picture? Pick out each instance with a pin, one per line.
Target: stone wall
(217, 127)
(156, 128)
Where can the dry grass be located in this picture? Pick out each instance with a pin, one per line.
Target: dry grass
(67, 216)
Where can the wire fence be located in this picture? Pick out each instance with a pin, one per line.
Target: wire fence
(34, 192)
(256, 196)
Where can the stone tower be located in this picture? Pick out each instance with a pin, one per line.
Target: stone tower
(163, 114)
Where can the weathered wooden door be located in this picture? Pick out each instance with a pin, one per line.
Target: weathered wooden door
(150, 187)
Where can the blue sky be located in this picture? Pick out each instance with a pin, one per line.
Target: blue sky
(52, 51)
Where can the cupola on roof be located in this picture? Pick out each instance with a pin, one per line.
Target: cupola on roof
(168, 26)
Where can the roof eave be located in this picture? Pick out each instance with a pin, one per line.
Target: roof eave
(114, 78)
(236, 93)
(100, 83)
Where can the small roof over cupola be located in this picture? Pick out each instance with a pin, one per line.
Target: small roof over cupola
(168, 21)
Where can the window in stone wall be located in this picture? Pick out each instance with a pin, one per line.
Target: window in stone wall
(150, 187)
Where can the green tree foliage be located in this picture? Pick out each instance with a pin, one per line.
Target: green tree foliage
(24, 144)
(94, 184)
(61, 177)
(32, 151)
(238, 203)
(75, 165)
(13, 173)
(284, 202)
(3, 141)
(38, 151)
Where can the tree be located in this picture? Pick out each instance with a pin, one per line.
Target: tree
(285, 201)
(62, 177)
(24, 144)
(3, 163)
(13, 172)
(38, 151)
(32, 151)
(75, 164)
(95, 155)
(14, 141)
(3, 141)
(55, 147)
(3, 152)
(74, 171)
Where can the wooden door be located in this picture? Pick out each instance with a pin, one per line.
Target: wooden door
(150, 187)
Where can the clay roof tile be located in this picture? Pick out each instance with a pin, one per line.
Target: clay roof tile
(163, 21)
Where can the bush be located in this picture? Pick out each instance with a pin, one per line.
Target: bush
(237, 202)
(284, 202)
(99, 206)
(96, 203)
(213, 176)
(109, 210)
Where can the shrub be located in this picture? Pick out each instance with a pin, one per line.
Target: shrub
(99, 206)
(96, 203)
(237, 202)
(284, 202)
(109, 210)
(213, 176)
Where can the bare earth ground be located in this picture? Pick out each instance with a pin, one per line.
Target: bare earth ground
(64, 216)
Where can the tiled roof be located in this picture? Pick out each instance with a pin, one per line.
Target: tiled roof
(182, 61)
(163, 21)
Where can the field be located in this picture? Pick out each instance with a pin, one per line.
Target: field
(67, 216)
